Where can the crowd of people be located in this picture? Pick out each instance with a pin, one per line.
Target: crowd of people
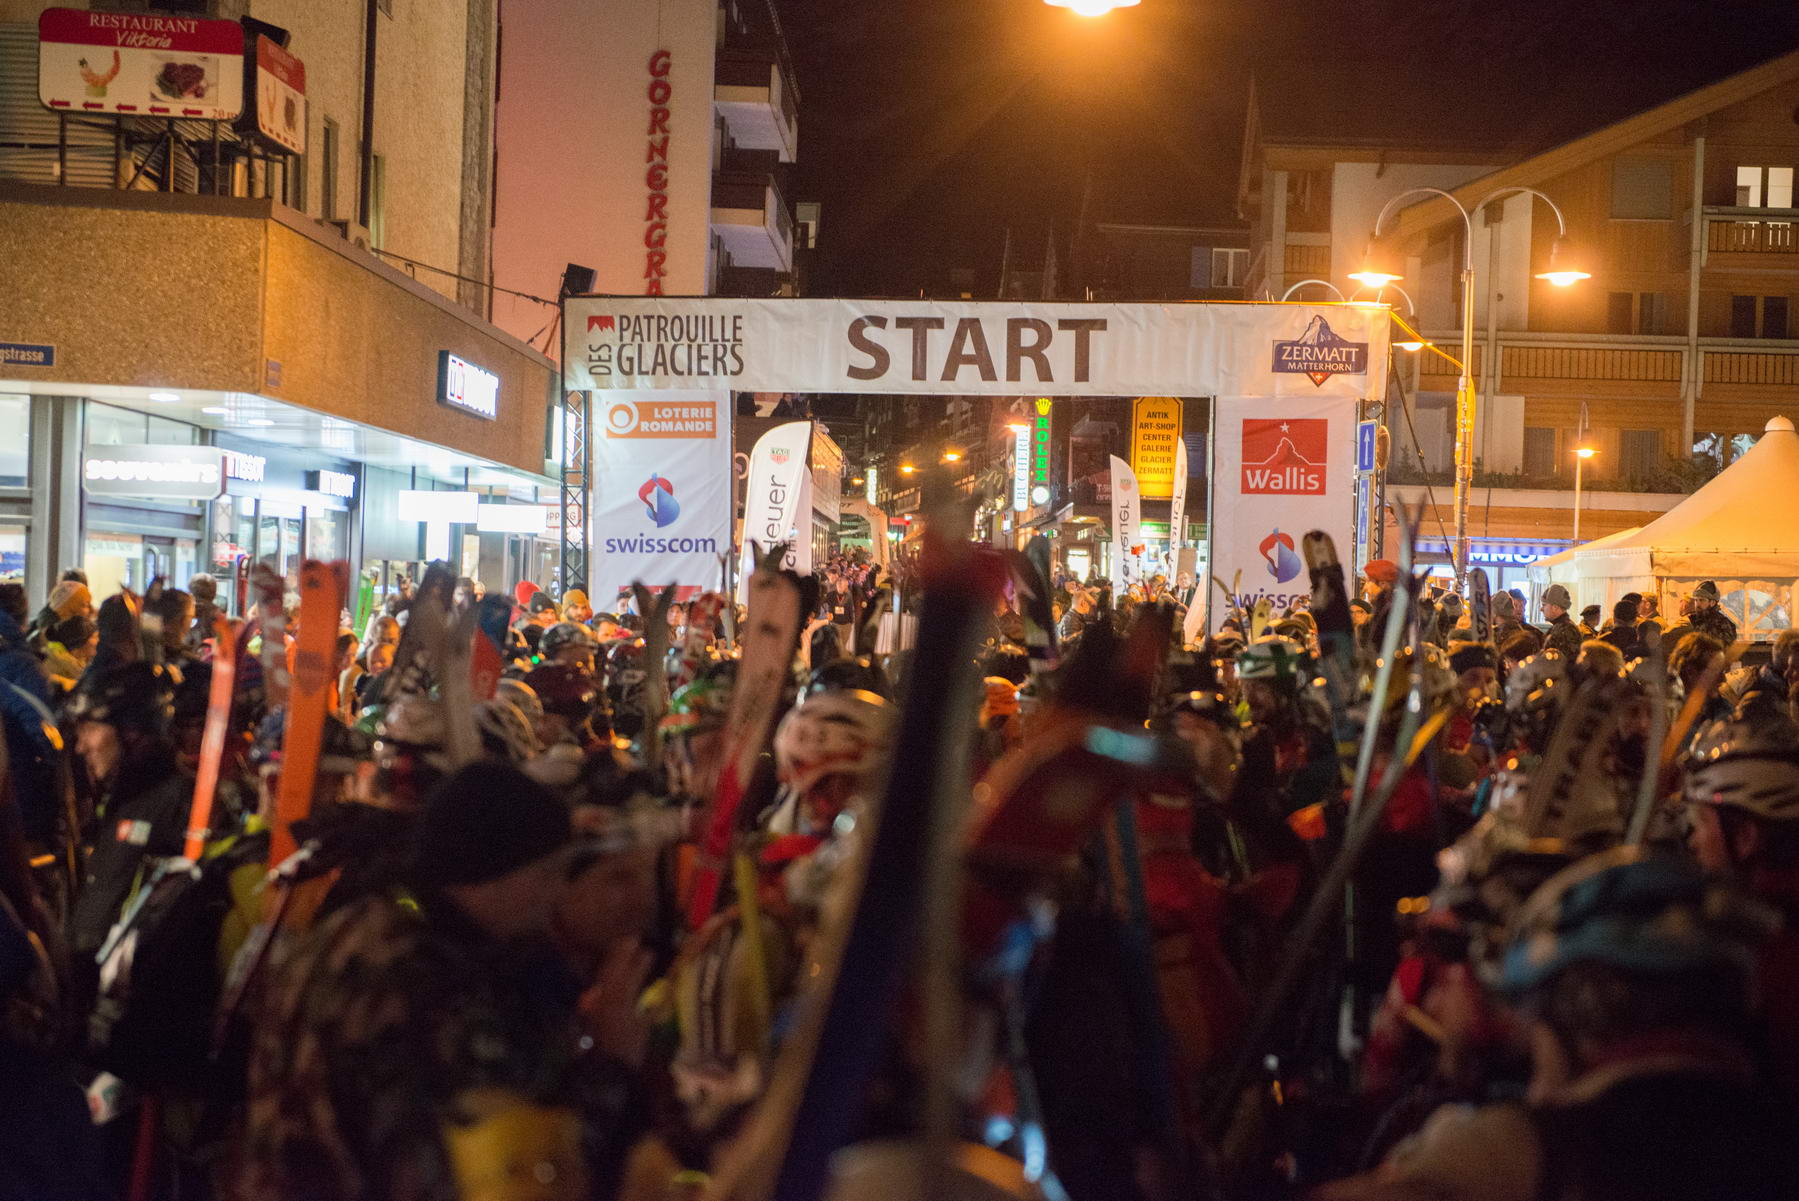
(1413, 899)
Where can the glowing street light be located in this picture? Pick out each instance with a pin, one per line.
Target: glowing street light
(1581, 455)
(952, 456)
(907, 469)
(1379, 271)
(1091, 8)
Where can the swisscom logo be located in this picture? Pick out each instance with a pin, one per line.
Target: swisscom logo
(658, 497)
(1320, 353)
(1285, 455)
(1278, 553)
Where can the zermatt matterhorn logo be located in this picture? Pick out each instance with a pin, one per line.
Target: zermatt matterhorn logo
(1320, 353)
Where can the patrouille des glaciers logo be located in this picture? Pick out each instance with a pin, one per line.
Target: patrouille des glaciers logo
(1278, 553)
(658, 497)
(1319, 353)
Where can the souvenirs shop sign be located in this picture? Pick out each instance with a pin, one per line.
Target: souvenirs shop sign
(974, 348)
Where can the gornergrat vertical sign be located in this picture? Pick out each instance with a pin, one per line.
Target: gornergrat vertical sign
(655, 176)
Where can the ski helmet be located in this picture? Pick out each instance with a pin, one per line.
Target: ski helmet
(1748, 765)
(1271, 657)
(1436, 681)
(523, 696)
(563, 635)
(133, 697)
(565, 689)
(831, 733)
(859, 673)
(1211, 705)
(1642, 913)
(505, 730)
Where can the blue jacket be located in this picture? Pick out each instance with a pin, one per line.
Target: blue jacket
(25, 709)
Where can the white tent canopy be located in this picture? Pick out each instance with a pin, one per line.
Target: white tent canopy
(1545, 571)
(1741, 530)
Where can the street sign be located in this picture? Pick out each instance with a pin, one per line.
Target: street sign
(27, 354)
(1366, 435)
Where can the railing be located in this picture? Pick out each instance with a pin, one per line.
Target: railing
(1567, 362)
(1732, 367)
(1303, 259)
(1740, 235)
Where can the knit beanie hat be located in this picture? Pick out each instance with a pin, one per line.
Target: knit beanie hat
(69, 598)
(484, 821)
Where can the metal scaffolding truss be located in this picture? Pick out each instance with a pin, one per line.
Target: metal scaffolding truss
(577, 459)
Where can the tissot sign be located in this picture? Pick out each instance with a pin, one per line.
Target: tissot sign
(973, 348)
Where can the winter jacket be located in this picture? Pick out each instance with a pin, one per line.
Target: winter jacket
(25, 708)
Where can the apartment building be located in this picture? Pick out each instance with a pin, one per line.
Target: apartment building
(650, 141)
(252, 236)
(1666, 363)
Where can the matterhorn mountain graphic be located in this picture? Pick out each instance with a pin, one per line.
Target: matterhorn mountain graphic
(1320, 353)
(1285, 455)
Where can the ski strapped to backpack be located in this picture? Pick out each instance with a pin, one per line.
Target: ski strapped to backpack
(309, 699)
(212, 740)
(770, 635)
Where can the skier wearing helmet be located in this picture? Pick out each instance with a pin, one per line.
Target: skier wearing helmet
(566, 642)
(1742, 801)
(1633, 973)
(1288, 757)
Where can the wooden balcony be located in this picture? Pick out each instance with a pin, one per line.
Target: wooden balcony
(1742, 235)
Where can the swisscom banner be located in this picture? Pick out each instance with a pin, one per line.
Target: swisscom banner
(966, 348)
(662, 492)
(1281, 468)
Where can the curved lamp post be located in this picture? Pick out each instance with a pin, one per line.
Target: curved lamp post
(1563, 270)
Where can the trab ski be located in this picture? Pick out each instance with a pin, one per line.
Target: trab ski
(309, 698)
(1480, 605)
(271, 620)
(212, 740)
(1336, 639)
(1260, 617)
(770, 635)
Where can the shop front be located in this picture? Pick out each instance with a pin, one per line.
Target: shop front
(348, 412)
(1505, 560)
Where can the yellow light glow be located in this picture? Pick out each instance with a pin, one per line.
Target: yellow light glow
(1018, 427)
(1563, 279)
(855, 480)
(1585, 452)
(952, 456)
(1414, 347)
(1091, 8)
(907, 469)
(1374, 278)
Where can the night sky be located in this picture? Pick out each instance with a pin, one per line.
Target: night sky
(930, 126)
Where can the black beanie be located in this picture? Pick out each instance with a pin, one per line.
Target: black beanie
(1466, 656)
(484, 821)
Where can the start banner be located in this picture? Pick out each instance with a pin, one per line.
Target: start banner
(974, 348)
(662, 493)
(1280, 468)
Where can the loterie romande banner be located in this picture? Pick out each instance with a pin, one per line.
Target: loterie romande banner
(980, 348)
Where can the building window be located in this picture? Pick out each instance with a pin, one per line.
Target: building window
(328, 170)
(1539, 450)
(1636, 312)
(1765, 187)
(1639, 453)
(296, 182)
(1774, 316)
(1642, 190)
(1229, 267)
(1742, 316)
(1618, 319)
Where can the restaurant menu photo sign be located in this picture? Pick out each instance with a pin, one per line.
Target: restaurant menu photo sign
(140, 64)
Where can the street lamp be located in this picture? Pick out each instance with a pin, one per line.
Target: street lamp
(907, 469)
(1377, 272)
(952, 456)
(1091, 8)
(1581, 455)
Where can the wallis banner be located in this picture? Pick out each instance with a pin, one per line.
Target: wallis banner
(662, 495)
(1281, 467)
(776, 505)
